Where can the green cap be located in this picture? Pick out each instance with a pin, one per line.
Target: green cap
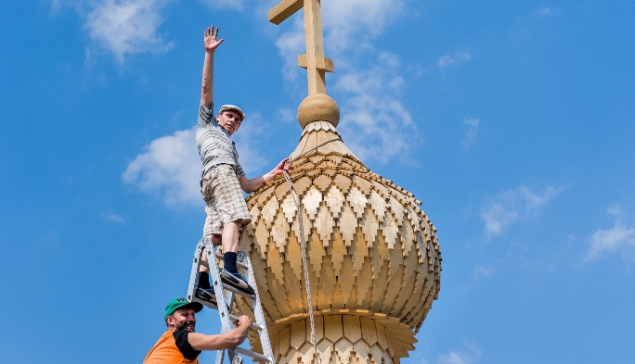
(233, 108)
(177, 303)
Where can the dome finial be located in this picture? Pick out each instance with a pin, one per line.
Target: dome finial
(318, 107)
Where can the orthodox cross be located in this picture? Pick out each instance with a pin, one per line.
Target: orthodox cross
(314, 61)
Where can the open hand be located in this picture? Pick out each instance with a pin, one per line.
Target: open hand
(210, 39)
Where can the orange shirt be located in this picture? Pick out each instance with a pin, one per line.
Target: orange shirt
(165, 351)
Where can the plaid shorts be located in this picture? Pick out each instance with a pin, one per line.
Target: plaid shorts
(223, 199)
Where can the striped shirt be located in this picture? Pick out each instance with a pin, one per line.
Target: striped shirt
(214, 144)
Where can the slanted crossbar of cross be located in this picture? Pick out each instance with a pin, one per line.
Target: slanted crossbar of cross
(314, 61)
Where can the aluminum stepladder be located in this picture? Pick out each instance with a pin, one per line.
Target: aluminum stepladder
(225, 301)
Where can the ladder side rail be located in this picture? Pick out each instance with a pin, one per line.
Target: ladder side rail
(221, 302)
(220, 354)
(194, 273)
(260, 316)
(220, 294)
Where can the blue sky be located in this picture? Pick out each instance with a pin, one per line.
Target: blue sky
(513, 123)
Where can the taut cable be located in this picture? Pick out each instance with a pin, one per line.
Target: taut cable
(305, 266)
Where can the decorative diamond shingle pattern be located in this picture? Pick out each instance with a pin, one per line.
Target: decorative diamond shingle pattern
(374, 258)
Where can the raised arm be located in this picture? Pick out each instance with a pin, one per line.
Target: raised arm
(250, 185)
(230, 339)
(211, 43)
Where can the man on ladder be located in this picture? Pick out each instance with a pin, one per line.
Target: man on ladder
(223, 177)
(181, 344)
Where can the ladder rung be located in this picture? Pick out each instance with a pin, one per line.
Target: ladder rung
(253, 355)
(229, 288)
(238, 291)
(254, 324)
(205, 303)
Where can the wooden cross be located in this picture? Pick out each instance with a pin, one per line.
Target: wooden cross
(314, 61)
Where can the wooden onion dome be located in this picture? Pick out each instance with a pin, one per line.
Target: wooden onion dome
(374, 258)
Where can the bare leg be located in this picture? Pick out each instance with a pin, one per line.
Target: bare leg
(204, 266)
(230, 236)
(216, 241)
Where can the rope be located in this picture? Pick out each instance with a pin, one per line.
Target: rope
(305, 266)
(315, 149)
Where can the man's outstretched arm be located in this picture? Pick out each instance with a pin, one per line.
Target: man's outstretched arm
(230, 339)
(211, 43)
(250, 185)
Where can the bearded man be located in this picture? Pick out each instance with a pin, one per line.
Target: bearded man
(180, 344)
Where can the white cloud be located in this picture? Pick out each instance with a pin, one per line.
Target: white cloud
(348, 26)
(286, 114)
(454, 60)
(545, 11)
(171, 166)
(121, 27)
(225, 4)
(127, 26)
(353, 24)
(56, 5)
(375, 124)
(113, 218)
(454, 357)
(619, 237)
(507, 207)
(482, 271)
(290, 44)
(614, 210)
(470, 137)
